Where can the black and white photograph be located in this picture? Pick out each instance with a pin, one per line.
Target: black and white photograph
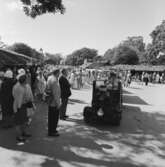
(82, 83)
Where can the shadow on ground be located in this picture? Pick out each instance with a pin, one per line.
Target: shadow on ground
(73, 101)
(130, 98)
(138, 142)
(133, 87)
(126, 92)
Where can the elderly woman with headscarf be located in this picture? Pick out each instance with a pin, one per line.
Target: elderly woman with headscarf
(7, 99)
(22, 99)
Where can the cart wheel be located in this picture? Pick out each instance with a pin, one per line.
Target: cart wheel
(87, 114)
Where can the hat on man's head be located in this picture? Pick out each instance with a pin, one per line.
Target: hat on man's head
(21, 71)
(8, 74)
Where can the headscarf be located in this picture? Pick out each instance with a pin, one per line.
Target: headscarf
(21, 72)
(8, 74)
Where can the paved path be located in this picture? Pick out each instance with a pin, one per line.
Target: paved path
(138, 142)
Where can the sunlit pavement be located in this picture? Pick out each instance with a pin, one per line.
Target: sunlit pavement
(138, 142)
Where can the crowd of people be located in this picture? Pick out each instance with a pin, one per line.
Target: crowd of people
(152, 77)
(19, 88)
(143, 78)
(19, 91)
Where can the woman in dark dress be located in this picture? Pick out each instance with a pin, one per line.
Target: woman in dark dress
(7, 99)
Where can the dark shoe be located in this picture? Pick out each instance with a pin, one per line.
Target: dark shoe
(26, 135)
(54, 134)
(66, 116)
(62, 118)
(20, 139)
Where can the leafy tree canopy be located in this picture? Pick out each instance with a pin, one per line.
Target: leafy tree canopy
(98, 58)
(26, 50)
(134, 44)
(35, 8)
(157, 46)
(78, 56)
(125, 55)
(137, 44)
(54, 59)
(109, 54)
(21, 48)
(122, 54)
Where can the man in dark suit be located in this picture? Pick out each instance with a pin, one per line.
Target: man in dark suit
(65, 93)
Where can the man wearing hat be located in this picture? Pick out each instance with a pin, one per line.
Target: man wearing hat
(20, 73)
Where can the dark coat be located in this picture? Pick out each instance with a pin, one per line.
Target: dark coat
(6, 96)
(65, 87)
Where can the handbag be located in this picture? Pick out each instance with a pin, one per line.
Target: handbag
(30, 112)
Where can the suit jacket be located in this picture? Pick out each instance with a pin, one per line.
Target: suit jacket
(54, 86)
(65, 87)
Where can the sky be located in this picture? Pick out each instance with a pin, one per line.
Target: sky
(96, 24)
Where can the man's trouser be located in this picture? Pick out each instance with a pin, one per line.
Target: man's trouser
(53, 117)
(63, 107)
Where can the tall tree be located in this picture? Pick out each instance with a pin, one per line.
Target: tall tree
(26, 50)
(21, 48)
(137, 44)
(109, 54)
(35, 8)
(133, 44)
(157, 46)
(54, 59)
(125, 55)
(98, 58)
(78, 56)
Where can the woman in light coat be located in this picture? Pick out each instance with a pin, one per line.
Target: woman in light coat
(23, 97)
